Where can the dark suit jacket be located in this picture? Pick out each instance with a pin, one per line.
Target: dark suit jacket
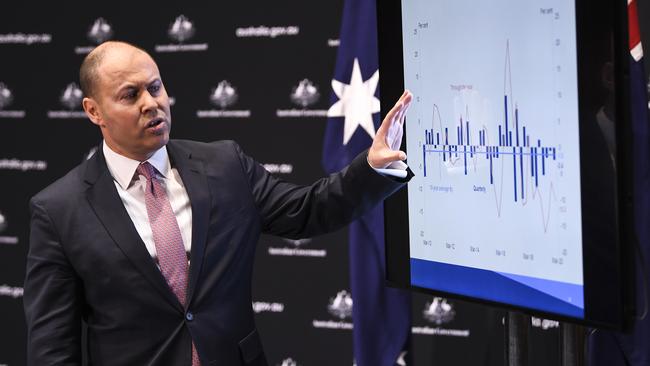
(87, 261)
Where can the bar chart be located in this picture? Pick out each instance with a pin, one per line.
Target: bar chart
(493, 138)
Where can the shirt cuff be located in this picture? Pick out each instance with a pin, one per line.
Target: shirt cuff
(394, 169)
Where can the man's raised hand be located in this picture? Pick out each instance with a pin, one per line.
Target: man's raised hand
(385, 146)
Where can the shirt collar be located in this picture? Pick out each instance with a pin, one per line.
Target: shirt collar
(123, 169)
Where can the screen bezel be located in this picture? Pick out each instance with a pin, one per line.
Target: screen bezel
(606, 293)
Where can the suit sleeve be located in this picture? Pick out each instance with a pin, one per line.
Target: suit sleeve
(52, 297)
(295, 211)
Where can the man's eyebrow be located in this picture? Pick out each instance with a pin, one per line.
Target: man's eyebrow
(127, 86)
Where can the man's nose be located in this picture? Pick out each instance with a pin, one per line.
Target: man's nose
(149, 103)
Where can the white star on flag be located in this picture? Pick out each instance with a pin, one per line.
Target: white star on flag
(357, 102)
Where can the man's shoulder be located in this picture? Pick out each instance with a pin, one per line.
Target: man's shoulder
(215, 152)
(64, 189)
(199, 147)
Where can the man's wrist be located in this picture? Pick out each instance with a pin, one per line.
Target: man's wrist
(395, 169)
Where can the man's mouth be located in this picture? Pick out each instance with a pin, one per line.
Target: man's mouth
(155, 122)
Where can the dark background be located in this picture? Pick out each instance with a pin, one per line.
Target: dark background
(290, 292)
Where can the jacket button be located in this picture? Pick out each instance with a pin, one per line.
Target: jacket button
(189, 316)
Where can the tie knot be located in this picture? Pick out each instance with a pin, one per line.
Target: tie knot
(147, 170)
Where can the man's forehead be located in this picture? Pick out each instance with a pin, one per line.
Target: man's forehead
(121, 64)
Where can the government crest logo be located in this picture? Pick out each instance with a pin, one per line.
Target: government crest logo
(100, 31)
(305, 93)
(6, 96)
(297, 242)
(3, 223)
(71, 96)
(288, 362)
(181, 29)
(70, 99)
(439, 311)
(224, 95)
(341, 305)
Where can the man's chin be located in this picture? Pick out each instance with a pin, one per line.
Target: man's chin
(158, 141)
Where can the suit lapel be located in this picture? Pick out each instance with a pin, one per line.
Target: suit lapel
(107, 204)
(192, 172)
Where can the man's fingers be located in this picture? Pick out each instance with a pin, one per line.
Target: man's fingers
(396, 113)
(402, 112)
(390, 156)
(405, 97)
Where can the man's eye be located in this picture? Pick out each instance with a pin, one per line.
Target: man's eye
(154, 89)
(129, 95)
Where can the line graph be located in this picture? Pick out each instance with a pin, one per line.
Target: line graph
(492, 136)
(529, 161)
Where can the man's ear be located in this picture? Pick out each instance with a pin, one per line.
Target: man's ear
(92, 111)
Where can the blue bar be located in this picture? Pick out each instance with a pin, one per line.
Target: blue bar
(467, 129)
(536, 174)
(424, 160)
(461, 130)
(458, 136)
(465, 158)
(510, 138)
(553, 153)
(543, 157)
(497, 152)
(514, 169)
(446, 136)
(505, 113)
(500, 137)
(517, 124)
(532, 163)
(437, 138)
(491, 178)
(521, 170)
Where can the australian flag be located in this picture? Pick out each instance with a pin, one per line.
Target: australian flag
(633, 348)
(381, 315)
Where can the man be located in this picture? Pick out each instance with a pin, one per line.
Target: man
(151, 241)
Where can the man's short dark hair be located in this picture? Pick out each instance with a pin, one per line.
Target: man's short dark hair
(88, 75)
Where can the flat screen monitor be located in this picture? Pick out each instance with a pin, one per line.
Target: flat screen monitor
(512, 137)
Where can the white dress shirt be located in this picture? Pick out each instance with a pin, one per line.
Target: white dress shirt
(131, 191)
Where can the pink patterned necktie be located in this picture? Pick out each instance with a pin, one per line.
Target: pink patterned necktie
(166, 237)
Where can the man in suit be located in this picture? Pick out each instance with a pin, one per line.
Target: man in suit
(151, 241)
